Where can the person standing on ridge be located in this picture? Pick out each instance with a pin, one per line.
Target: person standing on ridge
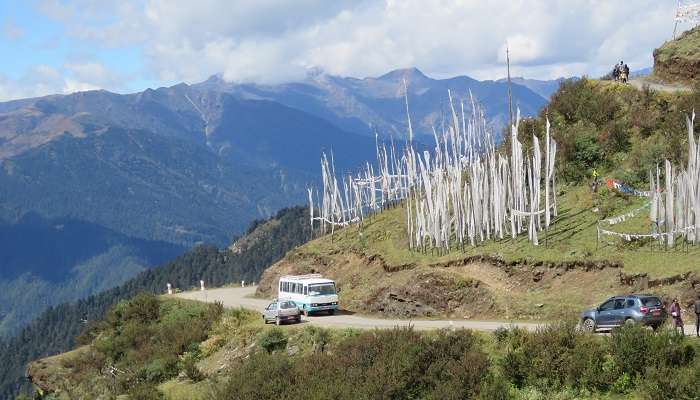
(626, 70)
(696, 308)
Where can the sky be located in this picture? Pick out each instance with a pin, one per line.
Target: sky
(56, 46)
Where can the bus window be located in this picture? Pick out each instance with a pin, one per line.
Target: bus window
(322, 289)
(306, 290)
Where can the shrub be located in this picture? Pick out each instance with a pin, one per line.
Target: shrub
(145, 391)
(634, 349)
(188, 364)
(273, 339)
(262, 376)
(317, 337)
(159, 370)
(495, 388)
(552, 358)
(661, 383)
(399, 363)
(501, 334)
(143, 308)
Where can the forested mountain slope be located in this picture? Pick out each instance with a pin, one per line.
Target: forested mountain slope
(55, 329)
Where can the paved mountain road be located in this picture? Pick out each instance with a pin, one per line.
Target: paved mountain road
(242, 297)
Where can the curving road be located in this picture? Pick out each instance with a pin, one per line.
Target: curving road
(242, 297)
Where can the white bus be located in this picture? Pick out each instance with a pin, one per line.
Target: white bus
(311, 292)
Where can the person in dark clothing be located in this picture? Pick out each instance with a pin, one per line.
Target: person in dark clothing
(616, 72)
(676, 315)
(626, 71)
(696, 308)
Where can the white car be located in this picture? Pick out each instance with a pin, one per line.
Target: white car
(280, 311)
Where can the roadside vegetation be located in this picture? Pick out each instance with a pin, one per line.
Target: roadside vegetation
(150, 348)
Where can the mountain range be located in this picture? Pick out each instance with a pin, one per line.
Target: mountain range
(125, 181)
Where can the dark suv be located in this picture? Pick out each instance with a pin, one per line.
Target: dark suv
(645, 309)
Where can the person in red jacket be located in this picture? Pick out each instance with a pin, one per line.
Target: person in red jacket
(676, 315)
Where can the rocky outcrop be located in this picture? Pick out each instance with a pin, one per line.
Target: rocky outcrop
(679, 60)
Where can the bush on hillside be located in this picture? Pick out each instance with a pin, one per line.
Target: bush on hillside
(145, 391)
(273, 339)
(615, 129)
(561, 357)
(150, 341)
(552, 358)
(399, 363)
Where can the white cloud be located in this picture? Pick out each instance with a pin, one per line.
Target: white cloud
(41, 80)
(94, 74)
(275, 40)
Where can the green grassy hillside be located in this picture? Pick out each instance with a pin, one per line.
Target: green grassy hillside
(498, 279)
(621, 132)
(679, 60)
(572, 238)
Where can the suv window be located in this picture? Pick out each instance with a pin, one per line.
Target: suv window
(619, 304)
(271, 306)
(287, 305)
(651, 301)
(630, 303)
(608, 305)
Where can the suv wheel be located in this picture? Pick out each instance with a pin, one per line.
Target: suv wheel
(278, 321)
(588, 325)
(630, 322)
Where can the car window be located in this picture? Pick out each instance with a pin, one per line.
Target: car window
(651, 301)
(608, 305)
(630, 303)
(619, 304)
(271, 306)
(285, 305)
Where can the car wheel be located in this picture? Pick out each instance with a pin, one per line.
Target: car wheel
(630, 322)
(277, 321)
(331, 312)
(264, 320)
(588, 325)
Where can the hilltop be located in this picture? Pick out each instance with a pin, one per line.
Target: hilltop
(678, 60)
